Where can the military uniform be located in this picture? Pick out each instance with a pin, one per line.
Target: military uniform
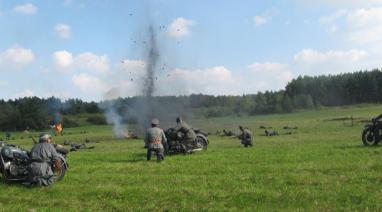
(189, 134)
(246, 137)
(154, 140)
(40, 171)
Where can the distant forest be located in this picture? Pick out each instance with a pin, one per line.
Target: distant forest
(302, 93)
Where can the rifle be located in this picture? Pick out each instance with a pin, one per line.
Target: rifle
(34, 140)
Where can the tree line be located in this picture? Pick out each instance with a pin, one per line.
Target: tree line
(304, 92)
(36, 113)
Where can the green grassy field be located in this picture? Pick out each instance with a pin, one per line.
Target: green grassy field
(323, 166)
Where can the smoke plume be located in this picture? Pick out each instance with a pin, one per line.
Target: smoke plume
(148, 87)
(141, 109)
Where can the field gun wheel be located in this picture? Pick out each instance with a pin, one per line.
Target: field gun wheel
(368, 138)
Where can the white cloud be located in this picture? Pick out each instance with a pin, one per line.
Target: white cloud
(63, 31)
(271, 75)
(309, 61)
(90, 61)
(126, 79)
(16, 57)
(87, 61)
(63, 59)
(359, 26)
(63, 95)
(25, 93)
(341, 3)
(214, 80)
(132, 65)
(88, 84)
(180, 27)
(217, 80)
(27, 9)
(265, 17)
(260, 20)
(313, 56)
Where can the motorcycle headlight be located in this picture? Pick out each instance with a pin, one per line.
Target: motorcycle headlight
(7, 152)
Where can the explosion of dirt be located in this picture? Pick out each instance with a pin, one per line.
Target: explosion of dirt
(148, 87)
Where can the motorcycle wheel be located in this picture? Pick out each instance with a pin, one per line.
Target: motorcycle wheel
(368, 138)
(202, 142)
(59, 170)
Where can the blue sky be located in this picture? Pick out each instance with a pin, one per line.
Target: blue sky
(97, 49)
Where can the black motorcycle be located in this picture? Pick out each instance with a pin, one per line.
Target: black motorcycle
(176, 144)
(14, 163)
(371, 135)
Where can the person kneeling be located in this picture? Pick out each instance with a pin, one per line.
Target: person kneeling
(246, 137)
(43, 155)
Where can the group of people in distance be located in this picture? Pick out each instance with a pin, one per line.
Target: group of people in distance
(155, 138)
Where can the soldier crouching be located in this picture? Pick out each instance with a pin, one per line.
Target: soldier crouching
(42, 155)
(154, 140)
(246, 137)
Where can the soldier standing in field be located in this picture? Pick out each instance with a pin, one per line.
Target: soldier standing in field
(154, 140)
(246, 136)
(189, 135)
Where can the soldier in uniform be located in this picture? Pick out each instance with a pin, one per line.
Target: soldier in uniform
(189, 135)
(246, 136)
(154, 140)
(43, 155)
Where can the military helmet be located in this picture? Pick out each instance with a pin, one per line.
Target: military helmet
(44, 137)
(155, 121)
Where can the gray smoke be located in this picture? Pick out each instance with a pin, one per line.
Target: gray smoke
(114, 118)
(148, 87)
(142, 109)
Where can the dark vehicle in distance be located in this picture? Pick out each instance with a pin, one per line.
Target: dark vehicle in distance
(175, 143)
